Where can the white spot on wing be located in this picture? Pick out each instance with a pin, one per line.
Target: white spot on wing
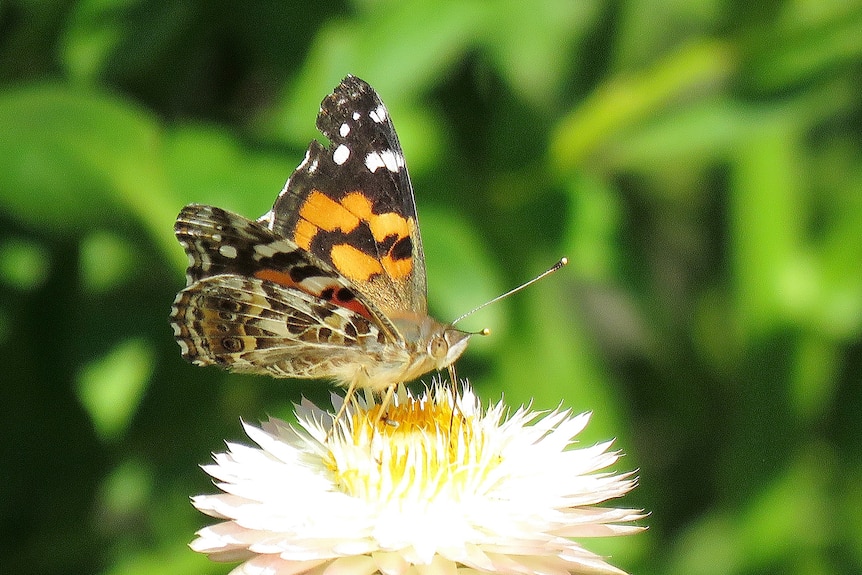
(356, 115)
(204, 262)
(313, 167)
(228, 251)
(191, 256)
(344, 129)
(341, 153)
(373, 161)
(184, 348)
(392, 161)
(378, 114)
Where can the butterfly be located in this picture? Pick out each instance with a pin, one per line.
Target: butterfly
(328, 284)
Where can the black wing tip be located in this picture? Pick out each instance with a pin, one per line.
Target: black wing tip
(336, 109)
(353, 84)
(350, 89)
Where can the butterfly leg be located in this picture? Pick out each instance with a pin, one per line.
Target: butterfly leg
(384, 404)
(348, 397)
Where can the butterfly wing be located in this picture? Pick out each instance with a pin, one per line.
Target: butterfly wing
(258, 303)
(256, 326)
(352, 205)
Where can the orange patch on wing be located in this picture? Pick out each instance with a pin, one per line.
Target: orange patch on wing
(382, 225)
(358, 205)
(353, 263)
(389, 224)
(322, 213)
(355, 306)
(304, 233)
(395, 268)
(275, 276)
(327, 214)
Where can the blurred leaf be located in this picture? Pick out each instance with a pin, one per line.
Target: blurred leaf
(768, 530)
(630, 98)
(400, 49)
(24, 265)
(111, 387)
(520, 35)
(707, 131)
(170, 560)
(293, 117)
(66, 150)
(405, 46)
(640, 38)
(207, 164)
(767, 210)
(106, 261)
(593, 229)
(809, 39)
(814, 381)
(840, 312)
(124, 494)
(94, 31)
(708, 547)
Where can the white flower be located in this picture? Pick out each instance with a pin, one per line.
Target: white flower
(424, 492)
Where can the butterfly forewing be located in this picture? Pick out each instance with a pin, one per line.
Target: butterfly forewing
(352, 204)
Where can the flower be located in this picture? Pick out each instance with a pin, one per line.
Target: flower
(436, 485)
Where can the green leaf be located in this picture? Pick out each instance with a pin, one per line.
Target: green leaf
(208, 164)
(106, 261)
(532, 43)
(627, 99)
(24, 265)
(111, 387)
(65, 151)
(767, 221)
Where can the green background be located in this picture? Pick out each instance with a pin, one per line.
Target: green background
(698, 162)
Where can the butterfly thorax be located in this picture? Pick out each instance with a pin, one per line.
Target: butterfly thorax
(424, 345)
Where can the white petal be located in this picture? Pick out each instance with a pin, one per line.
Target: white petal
(361, 565)
(390, 563)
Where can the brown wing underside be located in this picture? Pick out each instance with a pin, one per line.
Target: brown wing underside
(255, 326)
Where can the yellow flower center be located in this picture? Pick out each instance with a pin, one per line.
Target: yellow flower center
(418, 450)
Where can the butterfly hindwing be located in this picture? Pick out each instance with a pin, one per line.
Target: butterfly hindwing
(256, 326)
(221, 242)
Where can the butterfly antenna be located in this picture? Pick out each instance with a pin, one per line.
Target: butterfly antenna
(555, 267)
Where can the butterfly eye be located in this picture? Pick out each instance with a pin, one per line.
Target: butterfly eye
(438, 347)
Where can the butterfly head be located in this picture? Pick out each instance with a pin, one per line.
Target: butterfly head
(447, 345)
(437, 344)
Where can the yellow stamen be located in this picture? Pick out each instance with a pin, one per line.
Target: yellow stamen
(417, 446)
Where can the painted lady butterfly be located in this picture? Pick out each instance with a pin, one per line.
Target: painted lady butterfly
(330, 283)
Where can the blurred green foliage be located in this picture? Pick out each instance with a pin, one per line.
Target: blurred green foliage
(698, 161)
